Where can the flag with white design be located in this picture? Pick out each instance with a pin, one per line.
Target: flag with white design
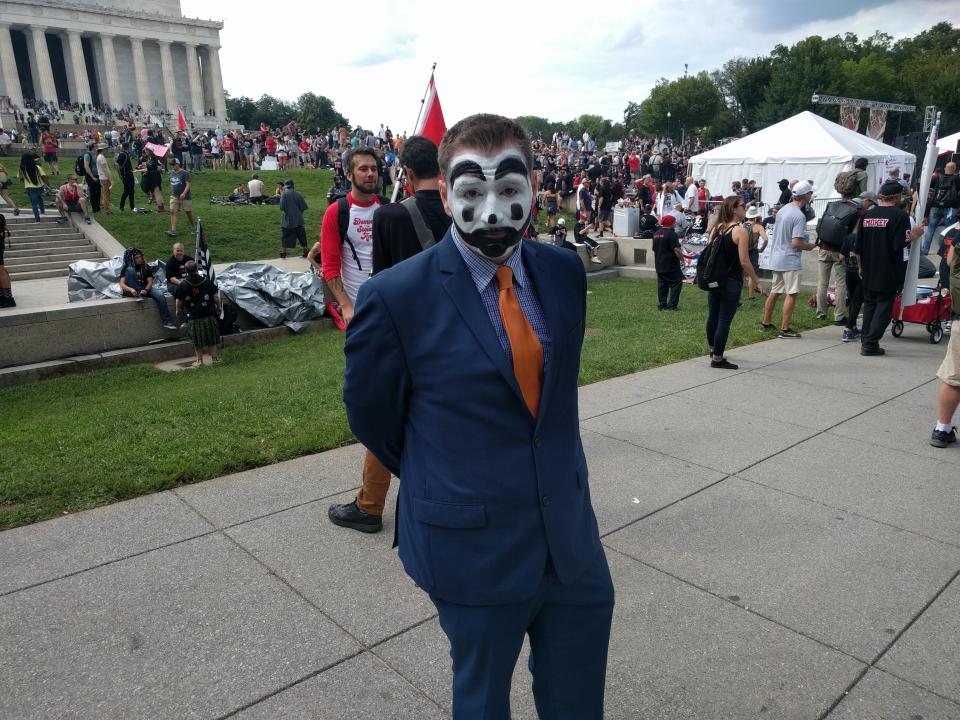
(202, 254)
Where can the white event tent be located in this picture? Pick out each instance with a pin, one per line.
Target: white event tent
(948, 143)
(803, 147)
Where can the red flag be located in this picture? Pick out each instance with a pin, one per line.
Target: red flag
(181, 120)
(432, 124)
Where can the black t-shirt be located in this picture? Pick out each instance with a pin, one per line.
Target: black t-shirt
(143, 272)
(197, 293)
(881, 238)
(605, 199)
(665, 241)
(175, 268)
(394, 236)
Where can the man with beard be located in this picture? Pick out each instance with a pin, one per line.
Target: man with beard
(461, 377)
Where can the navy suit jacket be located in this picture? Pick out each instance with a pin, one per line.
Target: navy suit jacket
(487, 492)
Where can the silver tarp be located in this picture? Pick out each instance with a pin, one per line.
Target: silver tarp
(100, 280)
(271, 295)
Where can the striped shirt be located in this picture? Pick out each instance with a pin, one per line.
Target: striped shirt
(484, 274)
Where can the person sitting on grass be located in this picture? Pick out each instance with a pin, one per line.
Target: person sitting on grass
(239, 194)
(70, 199)
(136, 280)
(199, 298)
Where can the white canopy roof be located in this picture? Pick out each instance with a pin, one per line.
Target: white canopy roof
(803, 147)
(948, 143)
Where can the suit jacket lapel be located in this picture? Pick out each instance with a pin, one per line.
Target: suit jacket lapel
(460, 287)
(553, 311)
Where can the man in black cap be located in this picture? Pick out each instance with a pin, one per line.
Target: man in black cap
(292, 230)
(882, 237)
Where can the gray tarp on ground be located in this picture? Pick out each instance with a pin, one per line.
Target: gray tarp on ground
(273, 296)
(90, 280)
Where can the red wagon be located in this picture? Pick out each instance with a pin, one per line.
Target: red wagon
(930, 310)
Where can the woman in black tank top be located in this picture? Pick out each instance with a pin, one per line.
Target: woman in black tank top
(723, 302)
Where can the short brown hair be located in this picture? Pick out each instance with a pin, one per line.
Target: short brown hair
(362, 150)
(486, 133)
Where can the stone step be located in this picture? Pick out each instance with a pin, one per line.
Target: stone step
(72, 240)
(47, 263)
(38, 274)
(55, 250)
(32, 229)
(26, 217)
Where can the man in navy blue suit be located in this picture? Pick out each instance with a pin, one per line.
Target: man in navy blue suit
(461, 378)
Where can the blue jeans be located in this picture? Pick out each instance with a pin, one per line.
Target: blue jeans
(721, 307)
(938, 216)
(35, 196)
(131, 279)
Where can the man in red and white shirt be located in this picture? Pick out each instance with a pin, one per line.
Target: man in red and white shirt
(347, 264)
(348, 261)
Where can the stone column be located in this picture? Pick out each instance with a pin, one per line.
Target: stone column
(43, 72)
(140, 73)
(78, 66)
(110, 69)
(169, 80)
(216, 82)
(8, 65)
(196, 87)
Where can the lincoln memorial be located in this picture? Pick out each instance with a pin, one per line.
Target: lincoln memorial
(110, 53)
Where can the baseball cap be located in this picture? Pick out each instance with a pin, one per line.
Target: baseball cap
(869, 195)
(802, 188)
(176, 160)
(668, 220)
(288, 183)
(891, 187)
(561, 222)
(753, 212)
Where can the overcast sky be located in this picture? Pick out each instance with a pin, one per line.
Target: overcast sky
(550, 59)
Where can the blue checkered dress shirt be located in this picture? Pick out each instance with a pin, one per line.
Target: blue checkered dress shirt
(484, 274)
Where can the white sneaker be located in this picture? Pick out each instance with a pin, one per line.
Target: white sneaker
(170, 326)
(596, 261)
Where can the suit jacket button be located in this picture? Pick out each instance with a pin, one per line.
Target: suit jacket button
(537, 442)
(545, 499)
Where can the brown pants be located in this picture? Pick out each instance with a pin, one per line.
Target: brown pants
(376, 483)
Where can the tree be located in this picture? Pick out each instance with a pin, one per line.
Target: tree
(694, 102)
(742, 83)
(317, 111)
(538, 126)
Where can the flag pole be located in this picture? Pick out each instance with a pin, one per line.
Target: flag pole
(909, 295)
(423, 100)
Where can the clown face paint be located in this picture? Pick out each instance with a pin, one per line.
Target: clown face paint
(490, 199)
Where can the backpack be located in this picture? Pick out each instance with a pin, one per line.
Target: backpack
(946, 196)
(846, 183)
(834, 225)
(4, 233)
(424, 234)
(711, 265)
(78, 167)
(343, 224)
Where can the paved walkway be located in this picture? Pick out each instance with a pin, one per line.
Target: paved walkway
(783, 540)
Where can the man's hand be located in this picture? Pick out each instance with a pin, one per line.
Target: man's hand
(915, 233)
(142, 293)
(347, 312)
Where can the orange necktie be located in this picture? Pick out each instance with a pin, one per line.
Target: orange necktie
(524, 343)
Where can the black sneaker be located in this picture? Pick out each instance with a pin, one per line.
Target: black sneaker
(767, 328)
(350, 516)
(789, 333)
(942, 438)
(723, 364)
(870, 351)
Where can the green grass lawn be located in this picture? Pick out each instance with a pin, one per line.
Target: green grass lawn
(234, 233)
(80, 441)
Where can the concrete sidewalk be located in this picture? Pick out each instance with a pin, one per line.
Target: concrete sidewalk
(784, 544)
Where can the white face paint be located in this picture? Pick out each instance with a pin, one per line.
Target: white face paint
(490, 199)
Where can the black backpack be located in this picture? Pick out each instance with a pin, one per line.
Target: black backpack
(79, 168)
(712, 265)
(946, 196)
(836, 222)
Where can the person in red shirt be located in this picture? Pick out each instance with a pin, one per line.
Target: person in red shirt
(271, 145)
(49, 145)
(70, 199)
(229, 148)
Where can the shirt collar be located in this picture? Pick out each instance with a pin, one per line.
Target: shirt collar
(483, 270)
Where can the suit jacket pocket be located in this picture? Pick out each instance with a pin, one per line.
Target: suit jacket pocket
(449, 515)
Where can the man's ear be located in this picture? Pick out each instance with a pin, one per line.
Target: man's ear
(443, 195)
